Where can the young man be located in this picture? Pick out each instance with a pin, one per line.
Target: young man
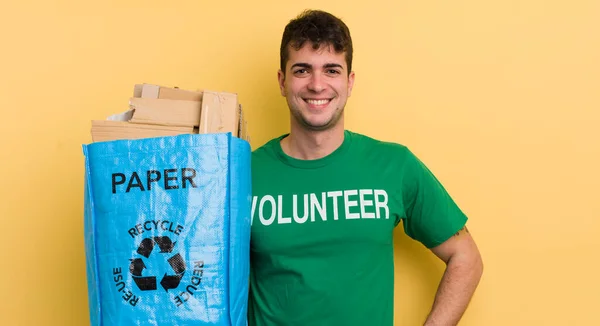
(326, 200)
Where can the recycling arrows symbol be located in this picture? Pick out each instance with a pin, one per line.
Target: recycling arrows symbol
(137, 266)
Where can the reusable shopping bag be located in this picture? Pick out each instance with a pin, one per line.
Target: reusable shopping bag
(167, 230)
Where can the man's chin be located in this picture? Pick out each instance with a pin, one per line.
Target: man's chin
(313, 127)
(318, 125)
(317, 122)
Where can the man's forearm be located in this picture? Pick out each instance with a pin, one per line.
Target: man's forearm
(455, 291)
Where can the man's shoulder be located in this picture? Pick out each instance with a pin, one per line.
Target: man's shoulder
(266, 151)
(378, 144)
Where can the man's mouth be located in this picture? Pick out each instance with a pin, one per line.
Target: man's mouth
(317, 103)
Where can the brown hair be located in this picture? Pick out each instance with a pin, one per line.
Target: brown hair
(319, 28)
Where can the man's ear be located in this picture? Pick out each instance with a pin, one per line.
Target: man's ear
(350, 83)
(281, 80)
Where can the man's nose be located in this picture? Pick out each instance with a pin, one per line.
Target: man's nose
(316, 83)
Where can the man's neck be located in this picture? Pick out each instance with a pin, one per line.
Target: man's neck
(311, 145)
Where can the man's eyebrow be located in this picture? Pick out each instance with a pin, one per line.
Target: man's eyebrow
(333, 65)
(301, 65)
(327, 65)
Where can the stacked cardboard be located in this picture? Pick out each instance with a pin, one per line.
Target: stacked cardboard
(156, 111)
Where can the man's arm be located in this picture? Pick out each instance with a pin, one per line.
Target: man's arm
(464, 268)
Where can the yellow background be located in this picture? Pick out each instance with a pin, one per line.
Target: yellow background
(499, 98)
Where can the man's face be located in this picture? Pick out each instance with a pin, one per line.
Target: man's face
(316, 85)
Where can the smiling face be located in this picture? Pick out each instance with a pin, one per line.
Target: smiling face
(316, 85)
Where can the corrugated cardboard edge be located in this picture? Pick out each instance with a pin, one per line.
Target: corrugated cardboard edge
(188, 111)
(150, 91)
(156, 91)
(214, 117)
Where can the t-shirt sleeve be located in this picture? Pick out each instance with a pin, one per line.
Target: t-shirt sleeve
(431, 216)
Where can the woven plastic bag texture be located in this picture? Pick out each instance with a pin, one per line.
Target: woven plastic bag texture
(167, 230)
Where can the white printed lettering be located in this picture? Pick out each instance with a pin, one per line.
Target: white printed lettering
(365, 203)
(271, 219)
(316, 207)
(280, 218)
(254, 199)
(321, 207)
(381, 204)
(335, 195)
(350, 203)
(304, 217)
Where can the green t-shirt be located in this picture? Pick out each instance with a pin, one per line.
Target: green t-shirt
(321, 242)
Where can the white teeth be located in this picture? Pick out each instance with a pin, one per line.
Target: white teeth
(317, 102)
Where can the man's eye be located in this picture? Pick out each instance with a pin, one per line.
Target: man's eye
(300, 71)
(333, 71)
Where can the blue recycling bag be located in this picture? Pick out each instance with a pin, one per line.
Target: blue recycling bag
(167, 230)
